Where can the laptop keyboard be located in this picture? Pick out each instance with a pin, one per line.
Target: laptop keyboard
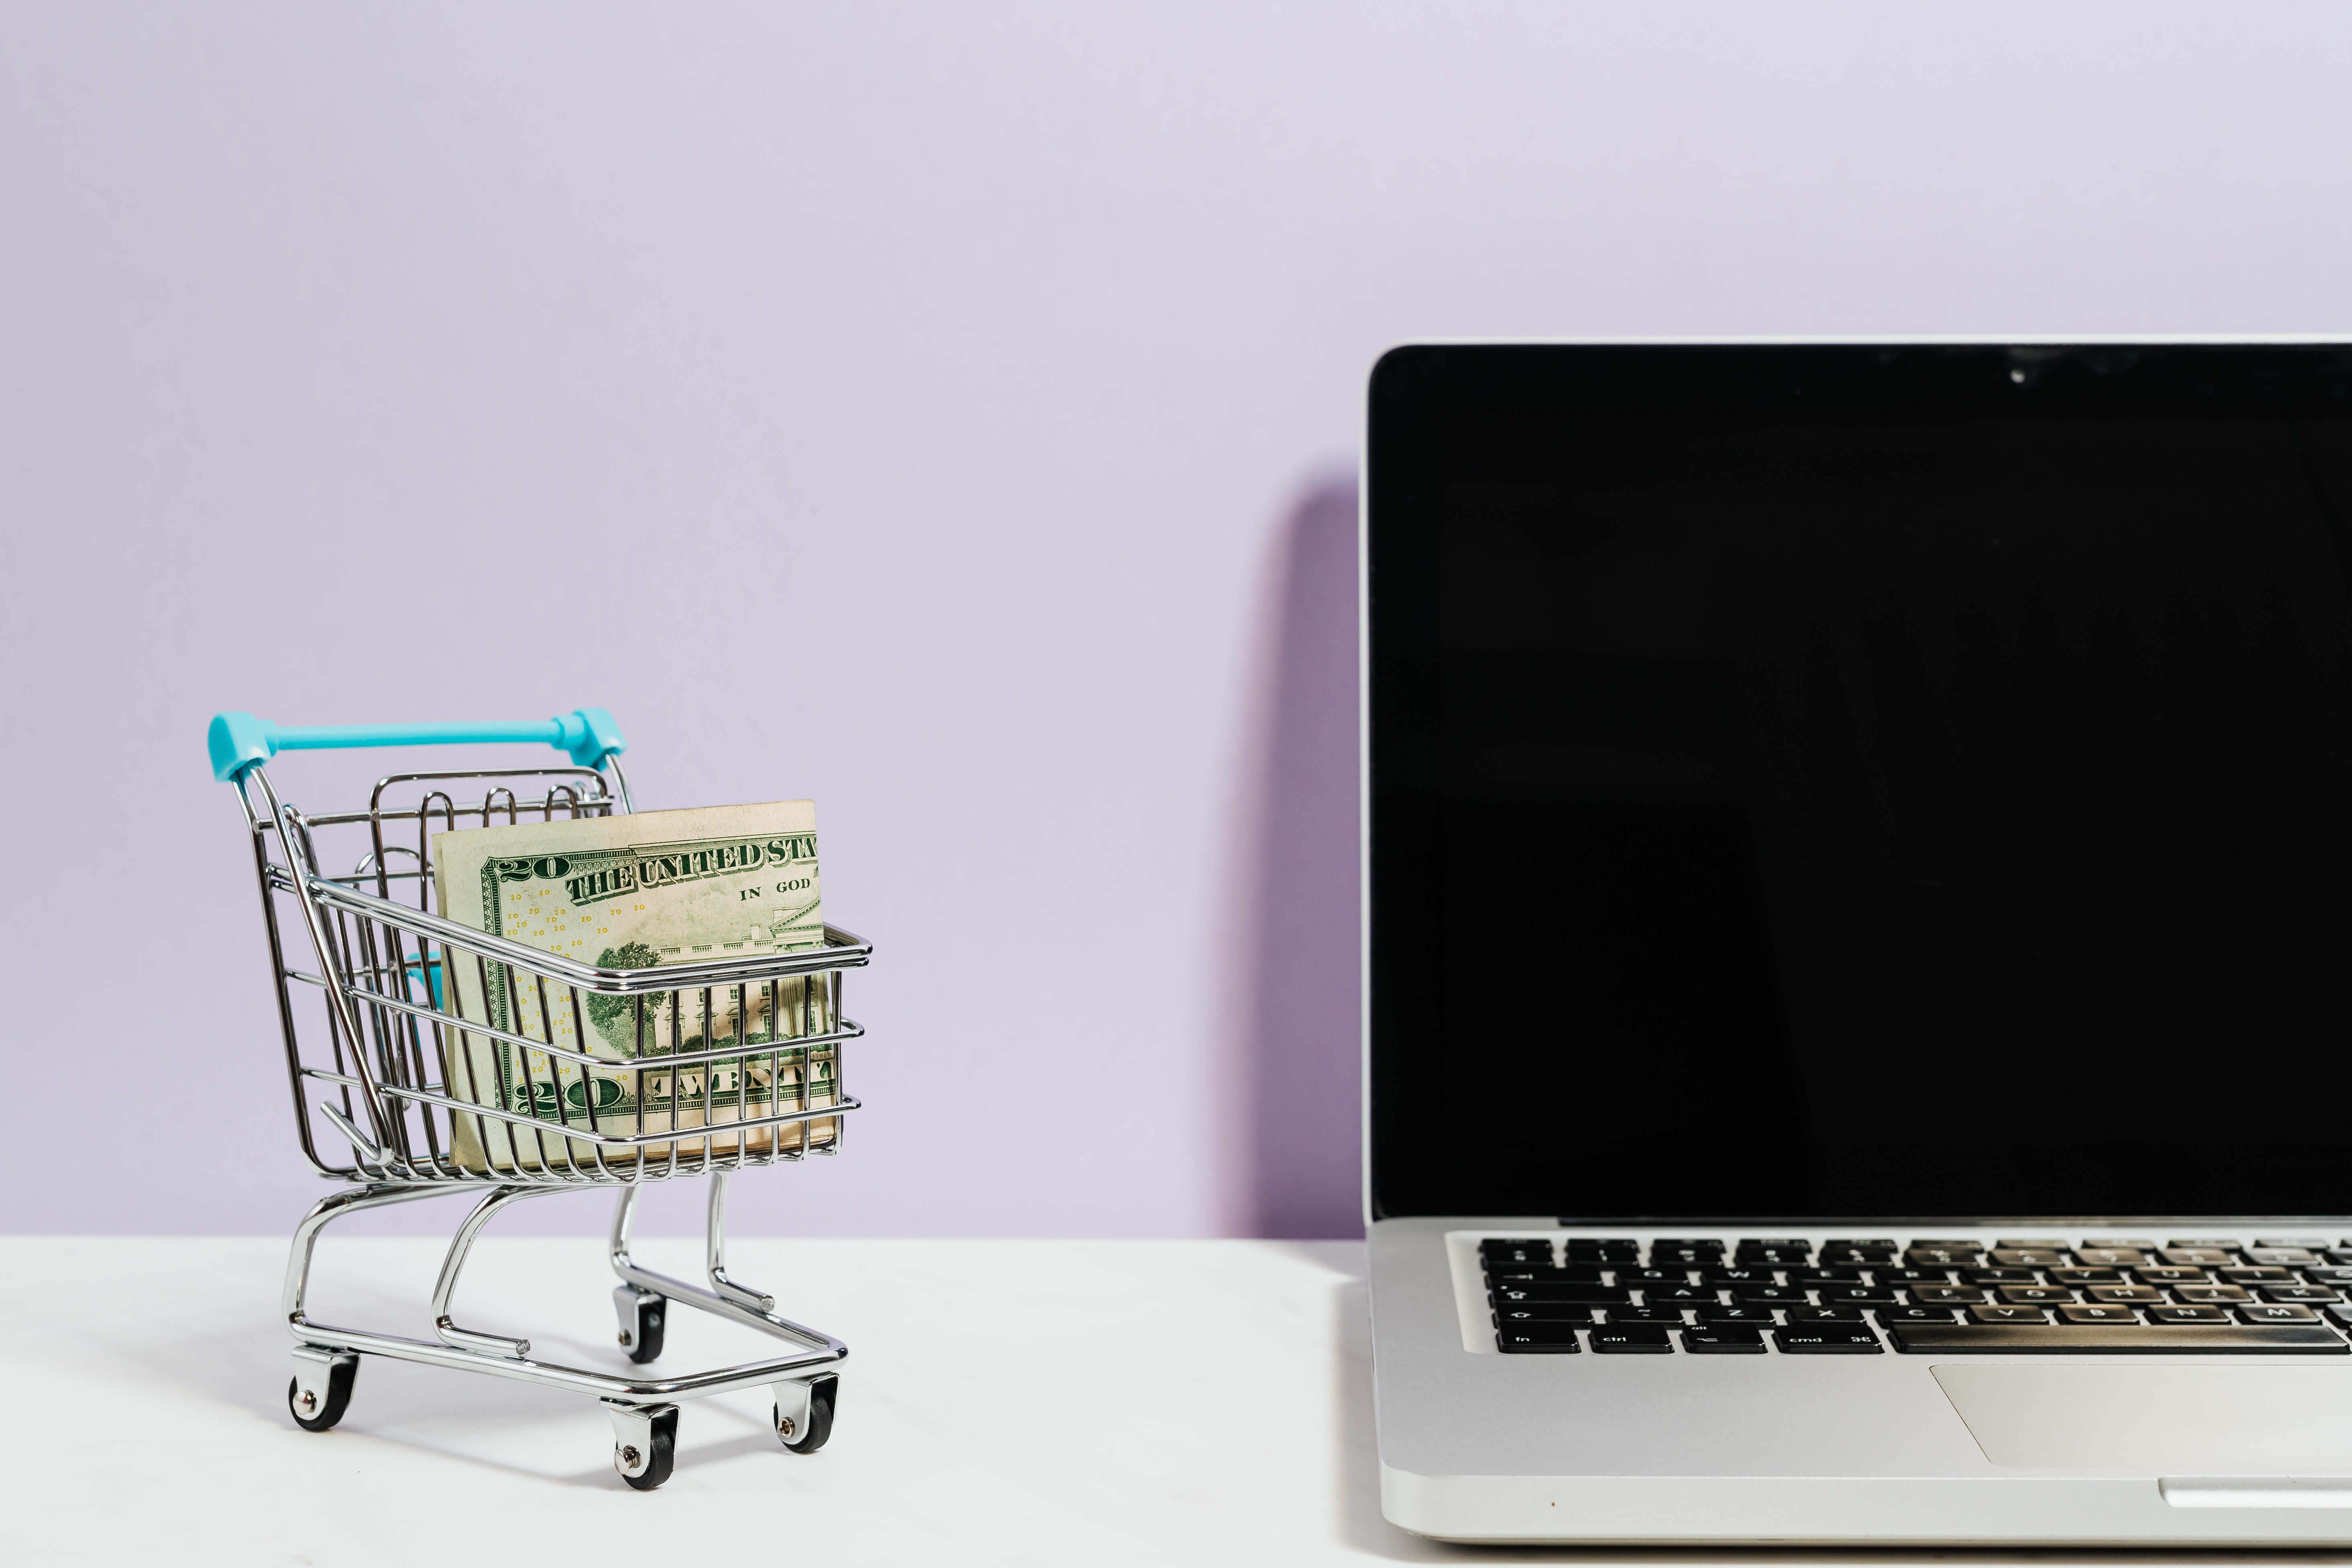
(1862, 1295)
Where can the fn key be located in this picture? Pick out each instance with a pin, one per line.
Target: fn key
(1537, 1339)
(1826, 1339)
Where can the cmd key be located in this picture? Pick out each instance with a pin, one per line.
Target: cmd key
(1827, 1339)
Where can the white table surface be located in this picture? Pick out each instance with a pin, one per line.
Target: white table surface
(1016, 1402)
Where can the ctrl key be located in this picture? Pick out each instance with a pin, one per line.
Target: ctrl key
(1537, 1339)
(1826, 1339)
(1630, 1338)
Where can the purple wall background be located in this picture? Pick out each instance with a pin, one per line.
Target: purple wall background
(992, 362)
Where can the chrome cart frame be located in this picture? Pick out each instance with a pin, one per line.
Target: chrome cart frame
(388, 1068)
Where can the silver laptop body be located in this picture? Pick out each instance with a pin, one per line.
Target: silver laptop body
(1859, 943)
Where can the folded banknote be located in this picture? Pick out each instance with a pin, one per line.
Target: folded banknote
(636, 891)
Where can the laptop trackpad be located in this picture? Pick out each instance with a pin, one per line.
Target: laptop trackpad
(2167, 1420)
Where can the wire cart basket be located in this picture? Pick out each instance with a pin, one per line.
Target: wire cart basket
(382, 1064)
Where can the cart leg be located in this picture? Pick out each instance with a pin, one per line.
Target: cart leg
(645, 1442)
(715, 1249)
(324, 1212)
(321, 1389)
(642, 1314)
(454, 1265)
(624, 1214)
(804, 1412)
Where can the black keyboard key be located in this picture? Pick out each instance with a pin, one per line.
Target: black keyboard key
(1628, 1273)
(2328, 1276)
(2110, 1257)
(2299, 1293)
(1942, 1256)
(1916, 1315)
(1723, 1342)
(2121, 1242)
(1685, 1252)
(1855, 1295)
(1632, 1339)
(1682, 1294)
(1999, 1276)
(2281, 1257)
(1830, 1339)
(1946, 1294)
(2006, 1314)
(1581, 1295)
(1846, 1255)
(1736, 1317)
(1825, 1315)
(2035, 1295)
(1536, 1340)
(1502, 1250)
(2146, 1293)
(1774, 1257)
(1739, 1276)
(2137, 1339)
(1771, 1296)
(1824, 1276)
(1912, 1275)
(2171, 1276)
(1601, 1252)
(2188, 1315)
(2081, 1277)
(2340, 1314)
(1645, 1315)
(2302, 1242)
(2029, 1257)
(2181, 1255)
(2094, 1314)
(1532, 1274)
(2277, 1313)
(2220, 1243)
(1544, 1312)
(2269, 1274)
(2211, 1295)
(2340, 1254)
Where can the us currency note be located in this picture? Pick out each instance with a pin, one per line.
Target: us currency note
(636, 891)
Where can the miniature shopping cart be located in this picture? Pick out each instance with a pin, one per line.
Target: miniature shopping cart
(384, 1063)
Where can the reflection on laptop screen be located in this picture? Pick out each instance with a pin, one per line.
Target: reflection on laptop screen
(1926, 803)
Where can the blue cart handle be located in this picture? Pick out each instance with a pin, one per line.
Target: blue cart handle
(240, 741)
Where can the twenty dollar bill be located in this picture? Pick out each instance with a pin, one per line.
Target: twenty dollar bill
(636, 891)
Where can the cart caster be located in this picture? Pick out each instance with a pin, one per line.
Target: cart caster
(641, 1313)
(321, 1389)
(804, 1423)
(644, 1442)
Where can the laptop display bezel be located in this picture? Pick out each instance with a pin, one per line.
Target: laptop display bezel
(1417, 391)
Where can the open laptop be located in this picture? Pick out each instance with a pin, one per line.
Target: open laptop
(1860, 942)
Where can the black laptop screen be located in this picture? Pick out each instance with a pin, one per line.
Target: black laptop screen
(1857, 783)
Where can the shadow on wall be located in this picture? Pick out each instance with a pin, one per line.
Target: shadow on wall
(1302, 1039)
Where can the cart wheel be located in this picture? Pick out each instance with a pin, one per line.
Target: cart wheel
(823, 1394)
(658, 1462)
(643, 1338)
(339, 1378)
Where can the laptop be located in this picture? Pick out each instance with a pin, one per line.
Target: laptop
(1859, 942)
